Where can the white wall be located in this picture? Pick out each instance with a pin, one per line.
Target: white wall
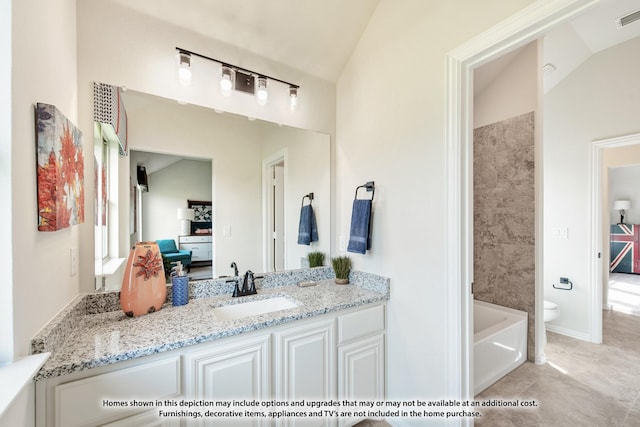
(392, 132)
(600, 99)
(36, 274)
(44, 70)
(307, 170)
(513, 92)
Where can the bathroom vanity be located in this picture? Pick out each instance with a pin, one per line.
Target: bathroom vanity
(288, 343)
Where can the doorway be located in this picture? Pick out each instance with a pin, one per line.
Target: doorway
(607, 154)
(530, 24)
(277, 213)
(172, 182)
(274, 171)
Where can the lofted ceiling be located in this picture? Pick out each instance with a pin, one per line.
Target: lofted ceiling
(318, 36)
(314, 36)
(568, 46)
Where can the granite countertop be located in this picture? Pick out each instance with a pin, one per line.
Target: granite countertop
(92, 331)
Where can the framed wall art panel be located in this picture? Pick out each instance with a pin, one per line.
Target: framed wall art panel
(60, 170)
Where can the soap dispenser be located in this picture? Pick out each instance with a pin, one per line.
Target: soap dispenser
(180, 285)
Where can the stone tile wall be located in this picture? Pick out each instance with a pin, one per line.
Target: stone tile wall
(504, 216)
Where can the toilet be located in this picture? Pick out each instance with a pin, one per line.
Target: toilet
(551, 311)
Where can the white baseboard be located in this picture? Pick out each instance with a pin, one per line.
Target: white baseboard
(568, 332)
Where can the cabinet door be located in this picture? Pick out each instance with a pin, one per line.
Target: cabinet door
(305, 367)
(81, 402)
(237, 369)
(361, 370)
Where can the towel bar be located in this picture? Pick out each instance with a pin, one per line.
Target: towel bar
(309, 196)
(370, 186)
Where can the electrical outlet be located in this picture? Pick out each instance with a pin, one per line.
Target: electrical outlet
(560, 233)
(226, 231)
(73, 261)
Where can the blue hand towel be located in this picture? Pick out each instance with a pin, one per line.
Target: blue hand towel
(360, 236)
(307, 230)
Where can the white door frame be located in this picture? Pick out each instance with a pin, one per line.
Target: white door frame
(267, 237)
(597, 263)
(525, 26)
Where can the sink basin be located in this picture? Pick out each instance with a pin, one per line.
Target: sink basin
(253, 308)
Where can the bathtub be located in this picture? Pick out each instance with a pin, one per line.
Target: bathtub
(499, 342)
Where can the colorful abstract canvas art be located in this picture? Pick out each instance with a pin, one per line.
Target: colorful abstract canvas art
(60, 170)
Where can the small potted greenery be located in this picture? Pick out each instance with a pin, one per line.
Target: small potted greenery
(342, 267)
(316, 259)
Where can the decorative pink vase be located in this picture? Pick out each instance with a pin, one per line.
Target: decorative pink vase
(144, 287)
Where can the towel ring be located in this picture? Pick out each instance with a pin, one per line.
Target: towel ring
(309, 196)
(370, 186)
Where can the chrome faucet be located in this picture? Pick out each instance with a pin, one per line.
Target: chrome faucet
(235, 269)
(248, 285)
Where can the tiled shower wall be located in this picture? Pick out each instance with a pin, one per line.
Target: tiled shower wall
(504, 216)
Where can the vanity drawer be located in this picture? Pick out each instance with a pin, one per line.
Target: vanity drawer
(361, 323)
(80, 402)
(195, 239)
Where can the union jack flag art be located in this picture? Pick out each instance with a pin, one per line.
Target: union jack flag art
(625, 248)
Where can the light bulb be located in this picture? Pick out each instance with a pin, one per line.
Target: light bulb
(293, 98)
(262, 96)
(226, 81)
(184, 68)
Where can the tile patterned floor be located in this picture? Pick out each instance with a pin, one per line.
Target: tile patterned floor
(582, 384)
(624, 292)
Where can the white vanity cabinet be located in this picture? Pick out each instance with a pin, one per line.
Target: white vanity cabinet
(78, 399)
(334, 356)
(234, 368)
(361, 356)
(305, 366)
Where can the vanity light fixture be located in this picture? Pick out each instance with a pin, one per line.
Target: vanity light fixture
(238, 79)
(184, 68)
(621, 206)
(262, 95)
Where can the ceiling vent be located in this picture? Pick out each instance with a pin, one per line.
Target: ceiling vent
(629, 19)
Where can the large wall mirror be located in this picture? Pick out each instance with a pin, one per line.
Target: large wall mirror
(253, 173)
